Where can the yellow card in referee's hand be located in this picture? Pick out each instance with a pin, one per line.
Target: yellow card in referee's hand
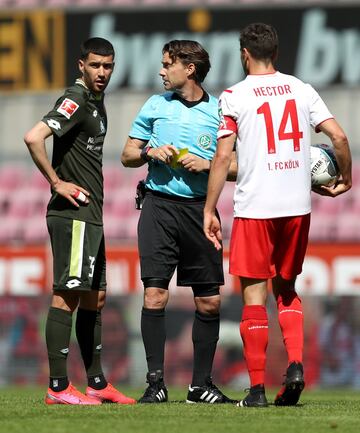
(176, 157)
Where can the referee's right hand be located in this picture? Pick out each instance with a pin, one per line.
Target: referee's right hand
(163, 153)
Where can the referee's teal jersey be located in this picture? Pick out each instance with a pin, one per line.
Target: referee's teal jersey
(166, 119)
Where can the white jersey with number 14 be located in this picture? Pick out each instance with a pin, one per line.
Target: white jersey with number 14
(272, 116)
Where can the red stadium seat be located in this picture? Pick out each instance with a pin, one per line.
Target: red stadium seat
(114, 228)
(322, 228)
(113, 176)
(348, 227)
(25, 202)
(123, 202)
(35, 230)
(13, 175)
(131, 224)
(121, 3)
(10, 230)
(58, 3)
(38, 181)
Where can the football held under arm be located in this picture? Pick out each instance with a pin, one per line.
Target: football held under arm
(342, 153)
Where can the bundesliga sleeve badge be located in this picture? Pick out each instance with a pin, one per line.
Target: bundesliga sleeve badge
(67, 108)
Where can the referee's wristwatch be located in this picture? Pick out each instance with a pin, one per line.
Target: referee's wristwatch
(144, 154)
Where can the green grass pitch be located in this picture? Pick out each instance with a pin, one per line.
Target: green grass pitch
(22, 410)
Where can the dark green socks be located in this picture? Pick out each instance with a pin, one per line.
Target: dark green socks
(57, 334)
(88, 334)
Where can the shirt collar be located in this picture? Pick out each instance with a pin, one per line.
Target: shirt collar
(189, 104)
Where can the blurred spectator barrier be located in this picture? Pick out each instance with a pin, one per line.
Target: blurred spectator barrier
(329, 269)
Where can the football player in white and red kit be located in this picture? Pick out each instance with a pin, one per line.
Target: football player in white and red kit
(269, 115)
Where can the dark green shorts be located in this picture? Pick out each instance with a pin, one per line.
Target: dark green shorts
(78, 249)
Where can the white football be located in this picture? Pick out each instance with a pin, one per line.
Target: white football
(324, 168)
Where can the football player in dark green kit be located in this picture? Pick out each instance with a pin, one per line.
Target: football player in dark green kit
(78, 125)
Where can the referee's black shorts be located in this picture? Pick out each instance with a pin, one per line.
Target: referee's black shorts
(170, 234)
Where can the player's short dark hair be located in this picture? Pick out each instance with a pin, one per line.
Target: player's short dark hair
(189, 52)
(99, 46)
(261, 40)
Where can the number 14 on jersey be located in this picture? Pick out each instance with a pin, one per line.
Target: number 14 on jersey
(289, 114)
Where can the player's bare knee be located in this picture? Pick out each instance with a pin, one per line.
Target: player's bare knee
(101, 300)
(155, 298)
(65, 301)
(93, 300)
(208, 305)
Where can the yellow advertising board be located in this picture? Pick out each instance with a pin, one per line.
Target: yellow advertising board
(32, 50)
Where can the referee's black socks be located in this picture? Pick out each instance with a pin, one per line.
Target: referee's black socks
(153, 335)
(205, 335)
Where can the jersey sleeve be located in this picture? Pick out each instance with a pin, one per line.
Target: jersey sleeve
(68, 111)
(143, 124)
(227, 125)
(318, 109)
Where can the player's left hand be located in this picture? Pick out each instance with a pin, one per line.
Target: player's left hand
(212, 229)
(194, 163)
(331, 191)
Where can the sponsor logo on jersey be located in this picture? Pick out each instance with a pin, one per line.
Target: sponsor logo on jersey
(68, 108)
(205, 141)
(53, 124)
(93, 147)
(102, 127)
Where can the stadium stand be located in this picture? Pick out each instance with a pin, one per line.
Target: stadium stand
(24, 194)
(28, 4)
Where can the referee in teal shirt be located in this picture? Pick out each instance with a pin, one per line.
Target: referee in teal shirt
(175, 134)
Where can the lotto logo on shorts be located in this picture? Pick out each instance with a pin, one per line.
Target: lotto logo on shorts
(71, 284)
(67, 108)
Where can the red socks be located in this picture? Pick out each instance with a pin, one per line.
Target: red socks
(291, 323)
(254, 333)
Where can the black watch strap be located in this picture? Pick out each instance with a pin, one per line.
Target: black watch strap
(144, 153)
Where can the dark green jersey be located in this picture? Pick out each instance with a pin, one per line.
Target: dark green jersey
(78, 122)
